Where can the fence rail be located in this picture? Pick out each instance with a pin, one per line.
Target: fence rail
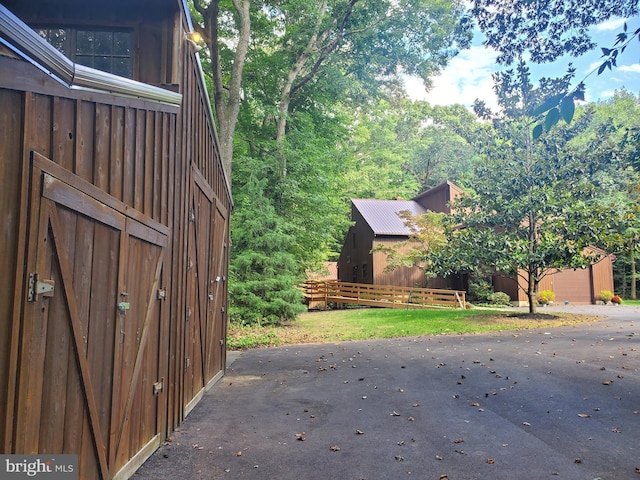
(389, 296)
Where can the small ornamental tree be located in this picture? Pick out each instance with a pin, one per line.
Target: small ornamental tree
(427, 236)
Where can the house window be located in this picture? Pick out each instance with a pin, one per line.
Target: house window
(107, 50)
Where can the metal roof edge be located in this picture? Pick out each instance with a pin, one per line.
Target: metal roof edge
(28, 45)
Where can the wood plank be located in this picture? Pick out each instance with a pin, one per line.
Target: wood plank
(147, 206)
(95, 193)
(23, 77)
(74, 199)
(141, 346)
(119, 354)
(103, 324)
(58, 349)
(102, 147)
(76, 416)
(64, 125)
(138, 191)
(84, 139)
(128, 174)
(117, 152)
(13, 217)
(158, 155)
(80, 351)
(34, 334)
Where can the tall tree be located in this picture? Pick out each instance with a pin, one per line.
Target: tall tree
(529, 211)
(299, 41)
(224, 24)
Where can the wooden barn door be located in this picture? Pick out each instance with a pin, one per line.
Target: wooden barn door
(90, 371)
(204, 348)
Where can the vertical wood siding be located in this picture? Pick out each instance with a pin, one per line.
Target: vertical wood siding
(113, 199)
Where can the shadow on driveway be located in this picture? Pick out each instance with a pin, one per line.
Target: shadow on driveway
(561, 403)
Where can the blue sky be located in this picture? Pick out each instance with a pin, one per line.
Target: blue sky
(468, 75)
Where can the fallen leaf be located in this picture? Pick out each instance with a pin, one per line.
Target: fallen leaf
(334, 448)
(359, 432)
(607, 382)
(637, 469)
(238, 454)
(577, 460)
(301, 436)
(526, 424)
(400, 458)
(438, 457)
(475, 404)
(636, 412)
(490, 461)
(458, 440)
(415, 404)
(394, 414)
(411, 419)
(584, 415)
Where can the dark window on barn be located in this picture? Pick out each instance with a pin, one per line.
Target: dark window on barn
(107, 50)
(365, 271)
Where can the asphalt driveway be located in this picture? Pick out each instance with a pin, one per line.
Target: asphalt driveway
(537, 404)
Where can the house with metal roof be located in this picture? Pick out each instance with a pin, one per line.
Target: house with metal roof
(377, 222)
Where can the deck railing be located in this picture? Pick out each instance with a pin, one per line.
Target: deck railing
(389, 296)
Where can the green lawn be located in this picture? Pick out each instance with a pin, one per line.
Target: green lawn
(367, 323)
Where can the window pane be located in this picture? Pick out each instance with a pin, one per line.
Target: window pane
(103, 43)
(57, 37)
(122, 43)
(122, 67)
(86, 60)
(84, 42)
(102, 63)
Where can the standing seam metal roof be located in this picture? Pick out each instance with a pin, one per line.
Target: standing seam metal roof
(382, 215)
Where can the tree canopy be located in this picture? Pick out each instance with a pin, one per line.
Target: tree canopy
(545, 29)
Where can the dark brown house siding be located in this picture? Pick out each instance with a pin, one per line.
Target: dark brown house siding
(119, 201)
(356, 261)
(579, 286)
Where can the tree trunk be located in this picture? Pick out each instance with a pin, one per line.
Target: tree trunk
(226, 98)
(532, 293)
(633, 276)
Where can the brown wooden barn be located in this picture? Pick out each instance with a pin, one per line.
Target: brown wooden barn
(377, 222)
(114, 208)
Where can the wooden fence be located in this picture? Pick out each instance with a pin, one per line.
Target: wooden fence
(388, 296)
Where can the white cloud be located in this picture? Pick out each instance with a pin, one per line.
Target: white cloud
(604, 94)
(466, 78)
(633, 68)
(609, 25)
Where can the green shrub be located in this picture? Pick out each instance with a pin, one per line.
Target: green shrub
(546, 297)
(499, 298)
(479, 291)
